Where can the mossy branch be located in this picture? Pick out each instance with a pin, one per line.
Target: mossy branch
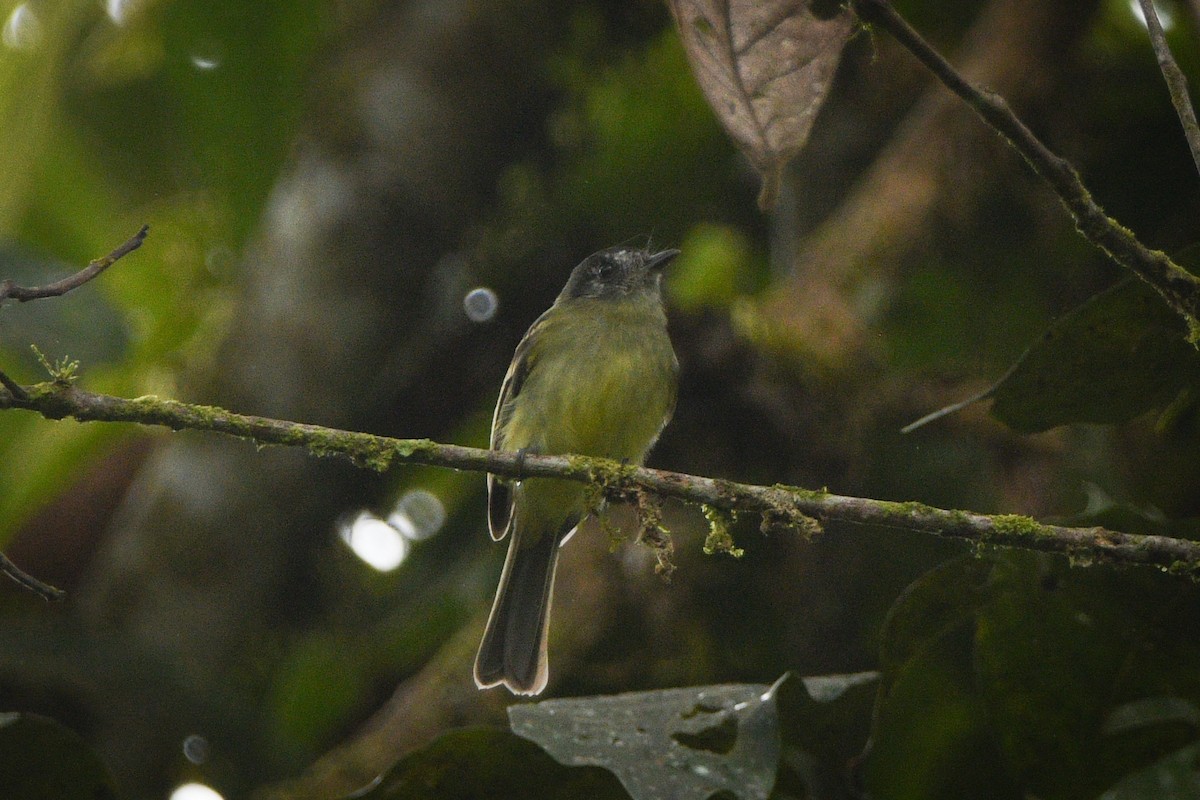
(781, 506)
(23, 294)
(1178, 287)
(63, 371)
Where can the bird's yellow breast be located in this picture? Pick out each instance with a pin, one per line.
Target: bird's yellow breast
(601, 382)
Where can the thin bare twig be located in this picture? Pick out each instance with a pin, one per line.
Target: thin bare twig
(9, 290)
(1176, 82)
(1177, 286)
(784, 506)
(31, 583)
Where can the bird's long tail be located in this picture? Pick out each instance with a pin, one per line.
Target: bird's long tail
(513, 651)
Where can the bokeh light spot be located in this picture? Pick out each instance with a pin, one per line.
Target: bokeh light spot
(418, 515)
(480, 304)
(377, 543)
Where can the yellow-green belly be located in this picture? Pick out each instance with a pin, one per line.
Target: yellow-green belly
(602, 383)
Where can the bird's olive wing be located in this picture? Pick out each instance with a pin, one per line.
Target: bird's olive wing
(500, 500)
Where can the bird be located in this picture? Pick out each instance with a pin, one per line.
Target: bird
(595, 375)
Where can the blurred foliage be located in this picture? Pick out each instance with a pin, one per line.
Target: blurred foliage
(1027, 663)
(712, 270)
(41, 759)
(1002, 675)
(488, 763)
(177, 114)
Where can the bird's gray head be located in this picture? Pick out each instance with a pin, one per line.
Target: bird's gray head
(617, 272)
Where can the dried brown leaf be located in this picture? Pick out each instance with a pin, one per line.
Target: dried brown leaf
(765, 67)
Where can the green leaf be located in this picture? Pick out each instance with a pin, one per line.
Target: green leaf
(1122, 353)
(1046, 656)
(931, 738)
(1104, 511)
(677, 743)
(483, 762)
(1152, 711)
(826, 723)
(1175, 777)
(41, 759)
(1119, 355)
(1017, 676)
(940, 600)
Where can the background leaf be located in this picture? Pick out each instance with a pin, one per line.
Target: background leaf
(1044, 682)
(41, 759)
(1174, 777)
(484, 762)
(826, 722)
(1117, 356)
(765, 67)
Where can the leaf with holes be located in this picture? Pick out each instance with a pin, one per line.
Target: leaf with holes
(686, 744)
(765, 67)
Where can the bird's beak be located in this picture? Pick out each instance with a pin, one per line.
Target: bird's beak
(661, 260)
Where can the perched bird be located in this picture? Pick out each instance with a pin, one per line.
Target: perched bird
(594, 375)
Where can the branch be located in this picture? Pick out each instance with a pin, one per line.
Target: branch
(13, 387)
(8, 289)
(31, 583)
(1177, 286)
(780, 506)
(1176, 82)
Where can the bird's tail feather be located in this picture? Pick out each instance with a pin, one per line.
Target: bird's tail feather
(513, 651)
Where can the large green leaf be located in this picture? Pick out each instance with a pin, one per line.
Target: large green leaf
(931, 738)
(1016, 675)
(1045, 658)
(1122, 353)
(1173, 777)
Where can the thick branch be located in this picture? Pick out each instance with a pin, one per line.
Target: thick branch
(1177, 286)
(780, 506)
(1173, 75)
